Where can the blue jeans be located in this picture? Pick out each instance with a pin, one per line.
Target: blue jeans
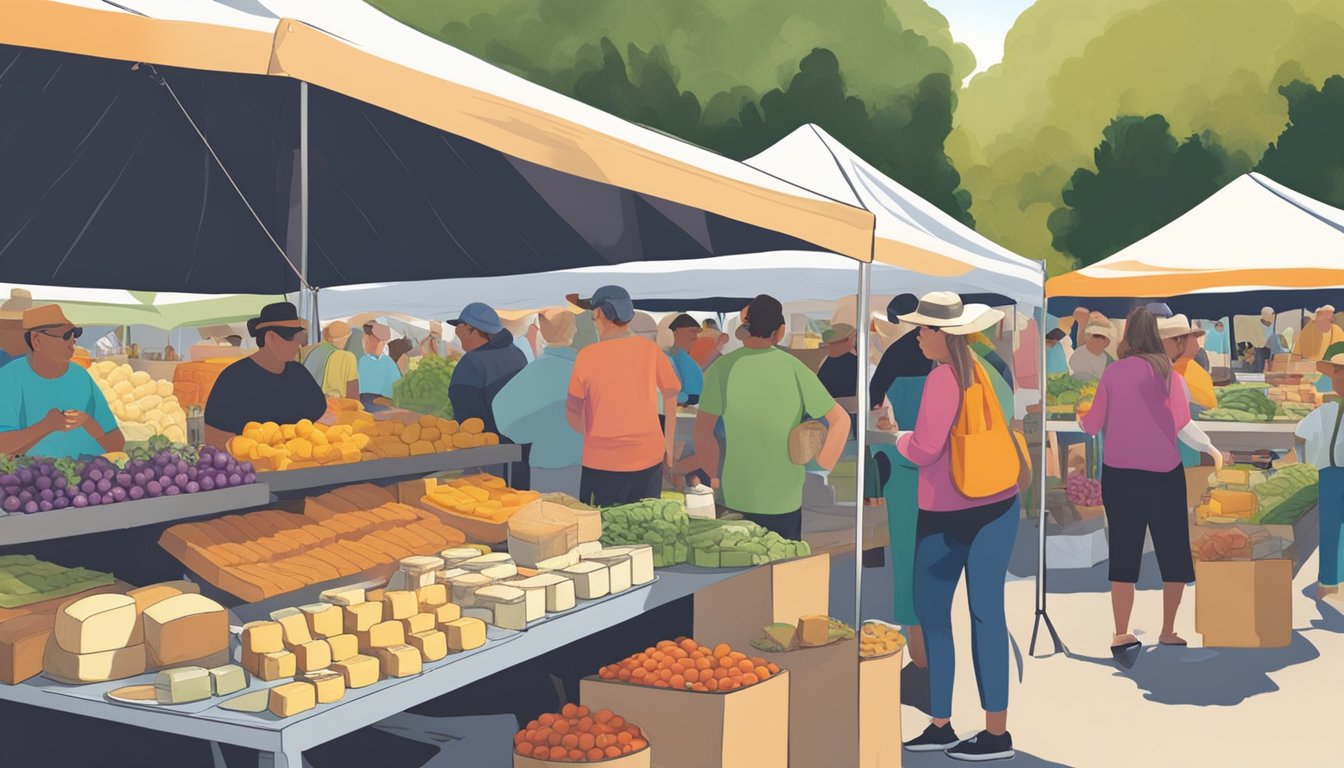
(1330, 502)
(980, 542)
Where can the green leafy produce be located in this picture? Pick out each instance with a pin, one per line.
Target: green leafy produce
(25, 580)
(1243, 404)
(1283, 498)
(738, 544)
(1063, 392)
(661, 524)
(425, 389)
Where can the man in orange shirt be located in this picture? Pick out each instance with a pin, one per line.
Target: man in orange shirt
(613, 403)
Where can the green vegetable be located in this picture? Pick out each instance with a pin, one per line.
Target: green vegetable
(425, 389)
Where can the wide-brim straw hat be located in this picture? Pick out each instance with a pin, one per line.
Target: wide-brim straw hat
(945, 311)
(1177, 326)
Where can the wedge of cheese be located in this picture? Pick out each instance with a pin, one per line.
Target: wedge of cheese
(184, 629)
(98, 623)
(77, 668)
(290, 699)
(1234, 503)
(359, 671)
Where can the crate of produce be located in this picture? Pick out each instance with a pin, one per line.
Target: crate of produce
(581, 735)
(1245, 604)
(748, 724)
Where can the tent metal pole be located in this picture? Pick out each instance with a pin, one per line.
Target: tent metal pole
(306, 297)
(1041, 614)
(862, 321)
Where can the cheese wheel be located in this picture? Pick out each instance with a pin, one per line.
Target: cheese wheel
(98, 623)
(185, 628)
(76, 668)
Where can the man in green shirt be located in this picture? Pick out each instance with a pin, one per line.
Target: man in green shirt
(761, 393)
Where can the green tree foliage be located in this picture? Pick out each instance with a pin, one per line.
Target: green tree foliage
(1144, 179)
(1309, 155)
(1209, 66)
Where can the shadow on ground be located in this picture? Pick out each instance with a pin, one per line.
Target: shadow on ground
(1209, 677)
(1020, 760)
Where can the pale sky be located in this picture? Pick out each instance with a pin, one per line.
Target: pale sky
(981, 25)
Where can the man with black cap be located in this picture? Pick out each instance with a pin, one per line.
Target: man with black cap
(491, 360)
(613, 403)
(49, 407)
(685, 331)
(761, 393)
(270, 384)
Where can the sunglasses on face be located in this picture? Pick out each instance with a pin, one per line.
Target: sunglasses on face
(288, 334)
(73, 333)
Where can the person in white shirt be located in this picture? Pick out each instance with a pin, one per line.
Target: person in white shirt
(1090, 360)
(1320, 445)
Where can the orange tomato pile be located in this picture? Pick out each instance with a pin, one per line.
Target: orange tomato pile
(578, 735)
(684, 664)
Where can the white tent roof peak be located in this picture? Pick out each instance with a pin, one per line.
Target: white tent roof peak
(911, 232)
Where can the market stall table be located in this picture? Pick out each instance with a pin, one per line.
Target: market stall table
(391, 469)
(1228, 435)
(283, 742)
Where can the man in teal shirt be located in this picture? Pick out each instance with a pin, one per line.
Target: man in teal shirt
(531, 408)
(684, 333)
(377, 371)
(761, 393)
(49, 407)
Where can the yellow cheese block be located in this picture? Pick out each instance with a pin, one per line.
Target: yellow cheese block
(330, 685)
(814, 630)
(98, 623)
(465, 634)
(263, 637)
(343, 596)
(270, 666)
(358, 618)
(382, 635)
(293, 698)
(399, 661)
(324, 620)
(154, 593)
(432, 596)
(343, 646)
(432, 645)
(1235, 503)
(75, 668)
(446, 613)
(399, 604)
(420, 622)
(295, 626)
(358, 671)
(312, 656)
(185, 628)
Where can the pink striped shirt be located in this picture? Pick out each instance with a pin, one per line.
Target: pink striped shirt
(1140, 416)
(929, 447)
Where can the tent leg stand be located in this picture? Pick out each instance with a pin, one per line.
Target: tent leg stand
(1042, 616)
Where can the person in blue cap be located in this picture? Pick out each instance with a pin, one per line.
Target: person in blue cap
(491, 360)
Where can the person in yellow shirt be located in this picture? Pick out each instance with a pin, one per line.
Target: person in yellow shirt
(1319, 335)
(1182, 345)
(334, 369)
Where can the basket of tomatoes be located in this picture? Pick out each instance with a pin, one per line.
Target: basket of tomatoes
(578, 735)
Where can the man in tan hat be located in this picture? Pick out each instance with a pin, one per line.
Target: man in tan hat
(49, 407)
(530, 409)
(1319, 335)
(1089, 361)
(377, 370)
(839, 373)
(332, 367)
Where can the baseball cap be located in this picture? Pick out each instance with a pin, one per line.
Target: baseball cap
(613, 300)
(682, 321)
(481, 317)
(1159, 309)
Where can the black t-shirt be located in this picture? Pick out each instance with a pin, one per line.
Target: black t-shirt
(840, 375)
(247, 392)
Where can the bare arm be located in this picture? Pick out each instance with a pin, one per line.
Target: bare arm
(574, 413)
(837, 431)
(111, 442)
(21, 441)
(707, 446)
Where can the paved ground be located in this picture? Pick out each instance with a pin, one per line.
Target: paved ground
(1175, 707)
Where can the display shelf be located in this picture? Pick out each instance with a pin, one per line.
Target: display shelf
(292, 480)
(287, 739)
(1229, 435)
(63, 523)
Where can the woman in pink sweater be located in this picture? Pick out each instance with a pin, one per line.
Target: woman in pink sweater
(956, 534)
(1142, 410)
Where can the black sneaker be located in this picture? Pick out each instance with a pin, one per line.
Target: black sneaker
(934, 739)
(984, 746)
(915, 688)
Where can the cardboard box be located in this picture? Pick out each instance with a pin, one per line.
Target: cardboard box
(735, 611)
(823, 692)
(880, 712)
(1244, 604)
(746, 728)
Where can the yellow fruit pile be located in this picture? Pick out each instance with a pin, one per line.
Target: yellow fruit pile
(877, 639)
(275, 447)
(144, 407)
(393, 439)
(481, 496)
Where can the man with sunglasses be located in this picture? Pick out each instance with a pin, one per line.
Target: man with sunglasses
(49, 407)
(268, 385)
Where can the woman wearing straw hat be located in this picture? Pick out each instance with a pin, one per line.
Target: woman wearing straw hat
(957, 532)
(1143, 411)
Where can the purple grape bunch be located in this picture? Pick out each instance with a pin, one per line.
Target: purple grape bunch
(1083, 490)
(29, 486)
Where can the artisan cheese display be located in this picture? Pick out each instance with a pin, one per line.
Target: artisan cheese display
(260, 555)
(270, 666)
(98, 623)
(360, 618)
(641, 561)
(618, 569)
(185, 628)
(312, 656)
(400, 604)
(293, 626)
(420, 622)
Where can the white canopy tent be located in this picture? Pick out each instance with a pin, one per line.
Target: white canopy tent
(111, 307)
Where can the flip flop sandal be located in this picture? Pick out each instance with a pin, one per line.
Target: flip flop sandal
(1177, 643)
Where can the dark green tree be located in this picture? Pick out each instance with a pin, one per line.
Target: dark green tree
(1309, 155)
(1144, 180)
